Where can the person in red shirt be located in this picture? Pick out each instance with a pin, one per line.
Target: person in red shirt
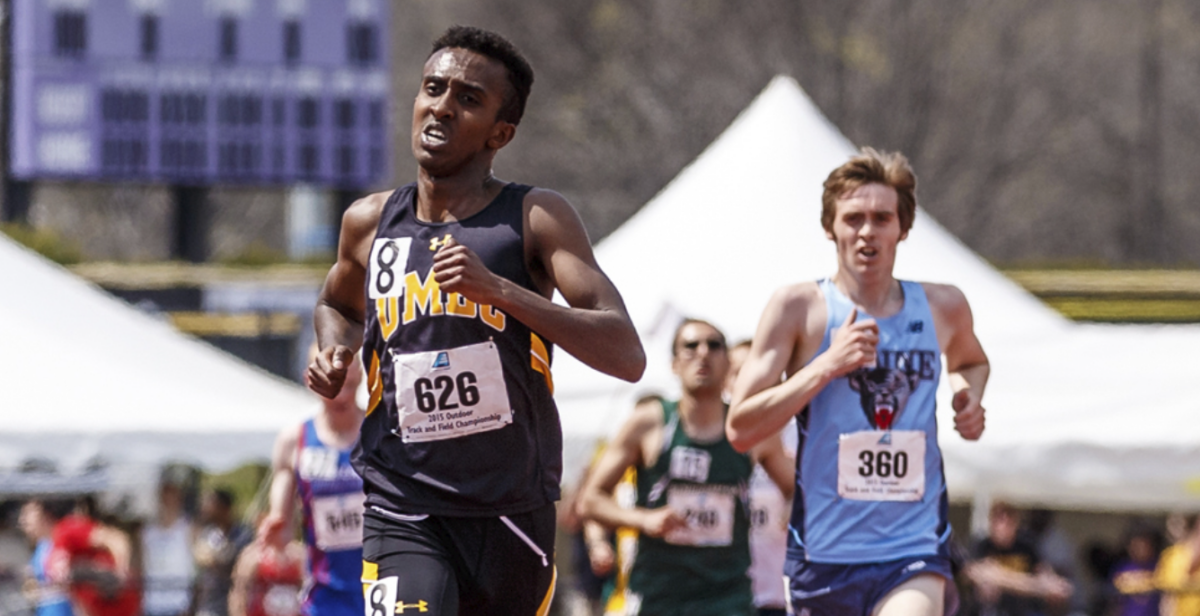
(268, 576)
(92, 559)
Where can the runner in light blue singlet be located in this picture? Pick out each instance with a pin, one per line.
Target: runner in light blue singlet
(896, 395)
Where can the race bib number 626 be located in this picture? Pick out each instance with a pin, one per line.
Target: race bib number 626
(451, 393)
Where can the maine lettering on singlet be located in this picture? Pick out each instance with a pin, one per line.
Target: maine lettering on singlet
(869, 481)
(461, 421)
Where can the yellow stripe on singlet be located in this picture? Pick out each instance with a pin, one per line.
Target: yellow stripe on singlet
(544, 608)
(539, 359)
(374, 383)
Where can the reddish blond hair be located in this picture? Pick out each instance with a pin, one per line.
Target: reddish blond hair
(870, 166)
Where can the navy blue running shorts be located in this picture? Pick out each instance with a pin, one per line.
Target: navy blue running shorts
(820, 589)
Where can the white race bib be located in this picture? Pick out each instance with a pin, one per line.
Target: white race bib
(709, 512)
(282, 600)
(338, 521)
(451, 393)
(380, 596)
(882, 465)
(690, 464)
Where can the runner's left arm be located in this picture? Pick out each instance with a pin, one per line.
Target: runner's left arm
(779, 466)
(596, 328)
(967, 365)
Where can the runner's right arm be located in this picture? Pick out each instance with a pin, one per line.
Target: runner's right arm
(761, 404)
(341, 306)
(597, 502)
(281, 499)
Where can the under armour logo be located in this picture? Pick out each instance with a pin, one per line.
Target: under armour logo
(420, 606)
(914, 327)
(438, 242)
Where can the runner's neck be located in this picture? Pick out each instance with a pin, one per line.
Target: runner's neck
(880, 298)
(455, 197)
(702, 419)
(339, 427)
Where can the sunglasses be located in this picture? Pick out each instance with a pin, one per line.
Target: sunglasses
(690, 347)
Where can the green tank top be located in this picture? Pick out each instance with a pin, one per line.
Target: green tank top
(701, 570)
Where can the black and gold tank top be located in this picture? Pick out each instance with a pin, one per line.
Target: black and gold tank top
(461, 421)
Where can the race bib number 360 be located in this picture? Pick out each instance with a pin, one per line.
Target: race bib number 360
(451, 393)
(882, 465)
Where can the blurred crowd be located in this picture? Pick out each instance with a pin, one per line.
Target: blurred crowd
(1025, 565)
(82, 562)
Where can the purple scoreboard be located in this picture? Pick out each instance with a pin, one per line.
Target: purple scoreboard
(199, 92)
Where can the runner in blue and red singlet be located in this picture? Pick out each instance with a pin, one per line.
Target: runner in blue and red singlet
(312, 460)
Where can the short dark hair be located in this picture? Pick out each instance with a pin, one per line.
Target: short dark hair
(54, 509)
(498, 48)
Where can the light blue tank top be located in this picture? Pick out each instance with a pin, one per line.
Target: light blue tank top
(896, 400)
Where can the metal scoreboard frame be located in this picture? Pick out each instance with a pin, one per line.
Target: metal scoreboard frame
(200, 92)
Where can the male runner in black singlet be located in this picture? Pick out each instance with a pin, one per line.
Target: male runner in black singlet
(461, 448)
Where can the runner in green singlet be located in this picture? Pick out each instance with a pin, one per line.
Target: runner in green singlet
(691, 512)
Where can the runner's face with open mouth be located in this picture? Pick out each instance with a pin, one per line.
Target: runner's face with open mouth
(455, 112)
(866, 229)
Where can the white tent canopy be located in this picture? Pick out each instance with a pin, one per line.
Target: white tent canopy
(1079, 415)
(86, 376)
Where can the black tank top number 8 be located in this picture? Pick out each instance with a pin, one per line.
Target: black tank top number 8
(388, 254)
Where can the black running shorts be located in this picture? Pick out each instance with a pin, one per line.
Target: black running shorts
(445, 566)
